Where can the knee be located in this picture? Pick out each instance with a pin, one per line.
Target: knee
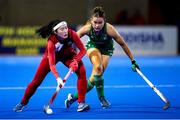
(99, 69)
(81, 72)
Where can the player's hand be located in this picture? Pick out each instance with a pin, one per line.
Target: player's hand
(73, 65)
(60, 82)
(135, 65)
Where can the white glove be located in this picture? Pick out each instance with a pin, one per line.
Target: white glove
(60, 82)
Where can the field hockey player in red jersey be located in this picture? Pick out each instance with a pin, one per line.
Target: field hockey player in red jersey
(61, 46)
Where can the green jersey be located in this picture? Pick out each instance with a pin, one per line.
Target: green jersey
(101, 41)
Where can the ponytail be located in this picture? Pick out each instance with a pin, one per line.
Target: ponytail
(47, 30)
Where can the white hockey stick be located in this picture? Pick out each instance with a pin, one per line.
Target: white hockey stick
(167, 105)
(47, 107)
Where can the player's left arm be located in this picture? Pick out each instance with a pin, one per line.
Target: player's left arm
(119, 39)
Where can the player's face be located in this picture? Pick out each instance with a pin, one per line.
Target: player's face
(97, 23)
(62, 31)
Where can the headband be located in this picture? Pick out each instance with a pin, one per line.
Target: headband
(59, 25)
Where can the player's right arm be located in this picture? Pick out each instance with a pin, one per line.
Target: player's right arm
(84, 30)
(52, 59)
(52, 62)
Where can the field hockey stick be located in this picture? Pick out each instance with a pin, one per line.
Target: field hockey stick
(167, 105)
(47, 107)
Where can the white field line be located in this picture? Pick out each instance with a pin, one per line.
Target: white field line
(107, 86)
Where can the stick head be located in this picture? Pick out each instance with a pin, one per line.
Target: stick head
(48, 110)
(166, 106)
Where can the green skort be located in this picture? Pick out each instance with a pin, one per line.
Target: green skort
(105, 49)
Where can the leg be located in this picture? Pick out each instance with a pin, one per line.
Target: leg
(96, 59)
(98, 80)
(97, 72)
(82, 82)
(103, 100)
(72, 98)
(81, 87)
(90, 86)
(96, 76)
(41, 72)
(105, 61)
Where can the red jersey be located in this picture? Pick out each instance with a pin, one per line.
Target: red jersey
(56, 46)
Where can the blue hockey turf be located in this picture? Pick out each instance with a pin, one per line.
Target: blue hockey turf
(129, 94)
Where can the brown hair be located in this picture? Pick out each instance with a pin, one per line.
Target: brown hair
(98, 12)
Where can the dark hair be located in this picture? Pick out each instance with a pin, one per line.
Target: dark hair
(98, 12)
(46, 31)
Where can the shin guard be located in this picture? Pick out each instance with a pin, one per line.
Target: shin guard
(99, 83)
